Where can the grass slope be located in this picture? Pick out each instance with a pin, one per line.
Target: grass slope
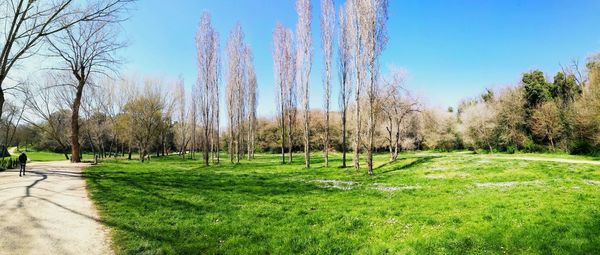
(423, 204)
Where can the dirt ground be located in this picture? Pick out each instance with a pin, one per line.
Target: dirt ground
(48, 211)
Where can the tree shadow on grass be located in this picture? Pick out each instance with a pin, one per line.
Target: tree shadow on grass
(169, 195)
(394, 166)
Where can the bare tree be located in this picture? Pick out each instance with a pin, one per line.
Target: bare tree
(215, 101)
(236, 91)
(397, 105)
(478, 125)
(345, 58)
(281, 40)
(285, 73)
(127, 90)
(207, 45)
(13, 116)
(304, 59)
(373, 39)
(29, 23)
(352, 15)
(194, 122)
(166, 126)
(45, 113)
(86, 49)
(109, 101)
(182, 117)
(292, 92)
(252, 94)
(327, 30)
(94, 124)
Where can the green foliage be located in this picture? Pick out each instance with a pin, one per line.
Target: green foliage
(536, 89)
(565, 88)
(511, 149)
(425, 203)
(487, 96)
(8, 163)
(531, 146)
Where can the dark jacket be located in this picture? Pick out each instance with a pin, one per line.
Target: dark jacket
(23, 158)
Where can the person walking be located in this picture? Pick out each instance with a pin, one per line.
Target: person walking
(22, 162)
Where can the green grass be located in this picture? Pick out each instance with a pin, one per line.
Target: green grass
(35, 155)
(425, 203)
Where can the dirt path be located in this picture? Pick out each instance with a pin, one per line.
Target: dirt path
(48, 212)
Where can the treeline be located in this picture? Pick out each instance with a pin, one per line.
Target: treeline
(539, 114)
(144, 116)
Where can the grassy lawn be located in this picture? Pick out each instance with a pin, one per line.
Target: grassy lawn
(426, 203)
(34, 155)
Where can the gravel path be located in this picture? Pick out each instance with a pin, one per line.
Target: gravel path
(48, 212)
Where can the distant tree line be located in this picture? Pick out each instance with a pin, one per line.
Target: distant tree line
(538, 114)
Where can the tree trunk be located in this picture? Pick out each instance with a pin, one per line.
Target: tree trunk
(397, 143)
(370, 140)
(248, 145)
(206, 147)
(356, 157)
(282, 130)
(327, 137)
(2, 99)
(238, 144)
(344, 145)
(306, 138)
(163, 145)
(218, 150)
(290, 140)
(75, 147)
(231, 149)
(371, 121)
(396, 146)
(212, 146)
(390, 141)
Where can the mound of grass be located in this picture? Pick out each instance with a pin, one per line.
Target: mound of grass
(425, 203)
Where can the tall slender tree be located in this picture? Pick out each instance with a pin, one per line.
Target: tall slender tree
(304, 59)
(372, 21)
(327, 34)
(284, 60)
(252, 94)
(279, 72)
(345, 48)
(182, 116)
(194, 122)
(216, 102)
(207, 46)
(352, 14)
(236, 91)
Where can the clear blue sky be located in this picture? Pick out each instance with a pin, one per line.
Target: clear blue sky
(451, 49)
